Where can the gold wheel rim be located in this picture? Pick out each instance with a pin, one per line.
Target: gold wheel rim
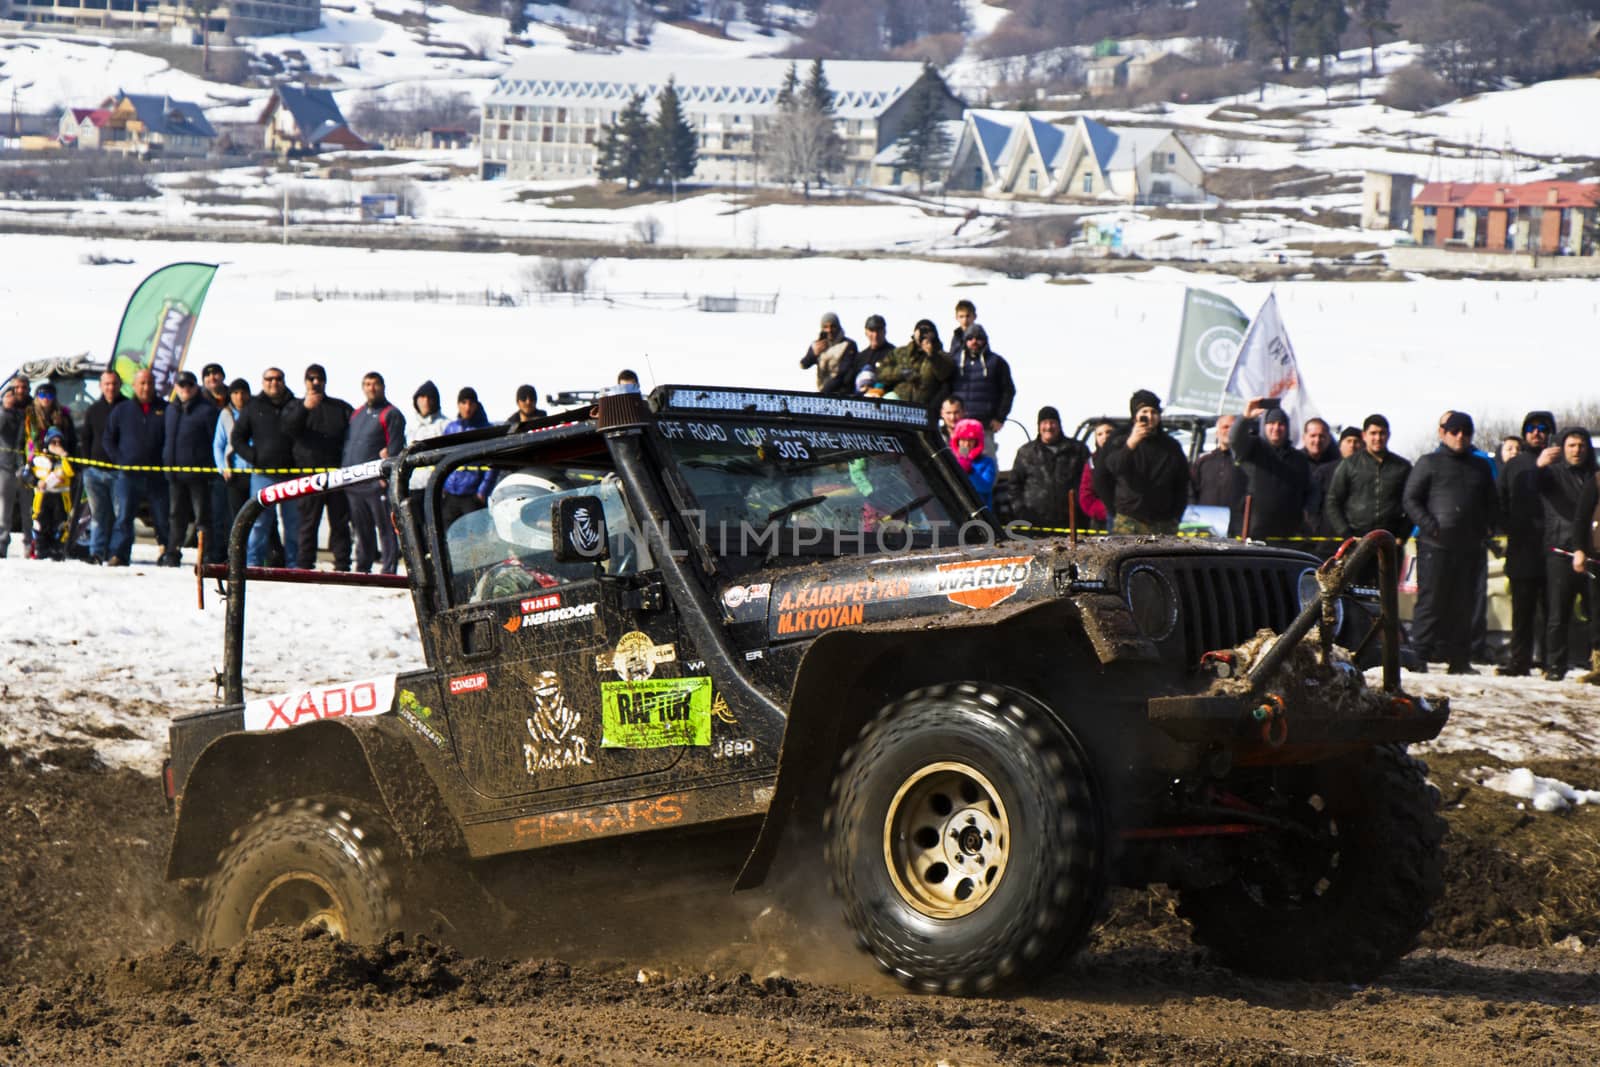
(946, 840)
(297, 898)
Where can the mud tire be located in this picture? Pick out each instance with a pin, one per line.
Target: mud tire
(324, 848)
(1381, 897)
(1054, 879)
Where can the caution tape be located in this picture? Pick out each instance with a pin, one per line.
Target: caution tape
(163, 469)
(1090, 531)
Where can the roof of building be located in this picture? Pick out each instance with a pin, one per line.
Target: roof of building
(166, 116)
(315, 113)
(1107, 62)
(861, 88)
(1506, 194)
(891, 154)
(96, 115)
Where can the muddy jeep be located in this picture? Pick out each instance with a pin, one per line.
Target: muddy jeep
(787, 618)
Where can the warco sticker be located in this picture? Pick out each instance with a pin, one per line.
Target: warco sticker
(371, 696)
(661, 713)
(983, 583)
(636, 657)
(468, 683)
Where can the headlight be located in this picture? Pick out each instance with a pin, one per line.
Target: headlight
(1152, 600)
(1310, 591)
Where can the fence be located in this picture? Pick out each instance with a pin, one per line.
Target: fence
(756, 305)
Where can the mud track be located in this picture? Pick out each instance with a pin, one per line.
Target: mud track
(1508, 974)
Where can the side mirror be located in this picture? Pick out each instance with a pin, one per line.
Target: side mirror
(579, 523)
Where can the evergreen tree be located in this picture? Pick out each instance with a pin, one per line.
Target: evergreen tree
(817, 99)
(1318, 25)
(789, 94)
(673, 150)
(1272, 21)
(1373, 17)
(624, 145)
(925, 144)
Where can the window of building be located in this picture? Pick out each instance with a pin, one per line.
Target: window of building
(547, 133)
(518, 113)
(1088, 183)
(561, 114)
(1161, 189)
(1033, 181)
(1158, 163)
(1430, 212)
(1172, 159)
(588, 135)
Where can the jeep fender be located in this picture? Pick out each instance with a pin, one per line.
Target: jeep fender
(371, 759)
(848, 676)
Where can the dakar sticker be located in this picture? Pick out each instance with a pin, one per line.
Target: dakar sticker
(553, 743)
(636, 657)
(663, 713)
(469, 683)
(373, 696)
(822, 607)
(413, 711)
(983, 583)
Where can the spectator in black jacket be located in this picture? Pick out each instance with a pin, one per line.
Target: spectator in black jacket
(1367, 490)
(1279, 477)
(1564, 471)
(1046, 473)
(135, 436)
(1143, 475)
(100, 482)
(1216, 480)
(983, 382)
(1585, 535)
(318, 424)
(261, 438)
(191, 422)
(528, 408)
(1451, 498)
(13, 408)
(377, 431)
(1522, 521)
(877, 347)
(1350, 442)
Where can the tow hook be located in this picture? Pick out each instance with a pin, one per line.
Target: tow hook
(1274, 719)
(1221, 664)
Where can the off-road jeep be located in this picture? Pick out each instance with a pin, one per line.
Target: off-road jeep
(788, 616)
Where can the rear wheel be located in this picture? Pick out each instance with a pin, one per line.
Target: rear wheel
(330, 862)
(1344, 900)
(964, 839)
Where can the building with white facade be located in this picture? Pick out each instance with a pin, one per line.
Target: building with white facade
(1023, 153)
(545, 114)
(237, 17)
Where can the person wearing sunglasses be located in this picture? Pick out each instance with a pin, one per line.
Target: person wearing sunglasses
(262, 438)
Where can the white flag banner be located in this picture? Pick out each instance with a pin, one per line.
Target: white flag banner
(1266, 367)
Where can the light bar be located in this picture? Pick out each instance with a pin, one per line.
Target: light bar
(762, 403)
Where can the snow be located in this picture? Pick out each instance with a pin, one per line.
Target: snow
(1546, 794)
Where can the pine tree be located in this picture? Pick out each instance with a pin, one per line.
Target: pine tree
(789, 94)
(624, 145)
(925, 145)
(1272, 21)
(1373, 17)
(818, 100)
(673, 149)
(1318, 25)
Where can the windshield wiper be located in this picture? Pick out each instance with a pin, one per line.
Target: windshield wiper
(902, 512)
(794, 506)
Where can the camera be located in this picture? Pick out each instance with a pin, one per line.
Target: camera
(1144, 420)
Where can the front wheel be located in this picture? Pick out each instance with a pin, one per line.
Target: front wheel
(964, 839)
(328, 862)
(1345, 900)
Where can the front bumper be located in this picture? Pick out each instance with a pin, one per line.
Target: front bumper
(1242, 721)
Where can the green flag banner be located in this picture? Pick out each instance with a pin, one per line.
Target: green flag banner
(1208, 343)
(159, 322)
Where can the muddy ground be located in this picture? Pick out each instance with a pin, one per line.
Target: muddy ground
(95, 967)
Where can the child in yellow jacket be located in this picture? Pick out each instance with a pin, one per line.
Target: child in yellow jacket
(52, 490)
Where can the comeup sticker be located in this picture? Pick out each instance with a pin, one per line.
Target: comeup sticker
(657, 713)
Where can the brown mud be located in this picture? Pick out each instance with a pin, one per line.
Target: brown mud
(95, 966)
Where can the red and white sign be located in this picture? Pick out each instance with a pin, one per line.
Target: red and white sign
(321, 482)
(983, 583)
(469, 683)
(544, 602)
(371, 696)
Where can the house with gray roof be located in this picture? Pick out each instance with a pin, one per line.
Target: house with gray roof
(545, 114)
(1032, 154)
(297, 121)
(155, 127)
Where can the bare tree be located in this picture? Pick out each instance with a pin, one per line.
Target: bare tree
(796, 144)
(200, 11)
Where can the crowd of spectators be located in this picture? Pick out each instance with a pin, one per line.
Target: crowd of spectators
(1539, 495)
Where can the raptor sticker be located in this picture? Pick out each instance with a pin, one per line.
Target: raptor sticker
(636, 657)
(983, 583)
(372, 696)
(553, 741)
(663, 713)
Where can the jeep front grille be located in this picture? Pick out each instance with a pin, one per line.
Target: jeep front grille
(1223, 602)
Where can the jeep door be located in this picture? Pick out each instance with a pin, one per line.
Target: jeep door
(530, 646)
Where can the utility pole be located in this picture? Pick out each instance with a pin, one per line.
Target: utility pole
(285, 213)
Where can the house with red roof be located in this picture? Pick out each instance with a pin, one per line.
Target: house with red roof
(1533, 218)
(81, 127)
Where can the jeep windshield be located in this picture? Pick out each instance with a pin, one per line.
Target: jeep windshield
(766, 490)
